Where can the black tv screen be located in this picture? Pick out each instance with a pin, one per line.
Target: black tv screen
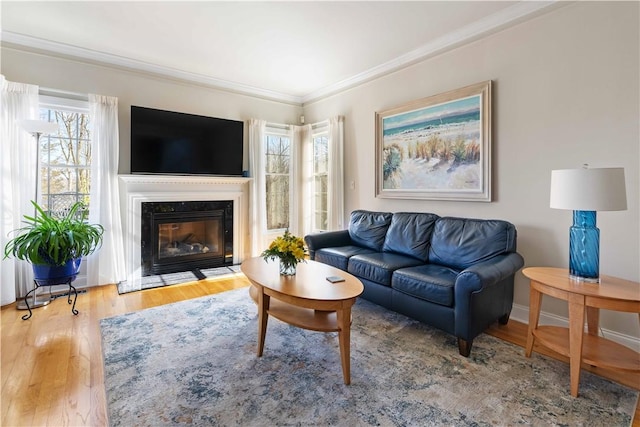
(166, 142)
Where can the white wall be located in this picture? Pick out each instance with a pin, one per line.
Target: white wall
(566, 92)
(133, 88)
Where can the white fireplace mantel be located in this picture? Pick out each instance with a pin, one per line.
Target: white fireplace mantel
(138, 189)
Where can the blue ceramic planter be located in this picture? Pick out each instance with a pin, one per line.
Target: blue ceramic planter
(49, 275)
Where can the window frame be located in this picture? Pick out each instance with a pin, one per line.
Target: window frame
(54, 103)
(319, 131)
(272, 130)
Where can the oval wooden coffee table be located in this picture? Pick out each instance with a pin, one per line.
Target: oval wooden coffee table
(306, 300)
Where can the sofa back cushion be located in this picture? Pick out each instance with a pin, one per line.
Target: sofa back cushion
(462, 242)
(368, 229)
(410, 234)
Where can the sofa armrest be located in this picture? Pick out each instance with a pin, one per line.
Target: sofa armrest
(484, 294)
(488, 273)
(328, 239)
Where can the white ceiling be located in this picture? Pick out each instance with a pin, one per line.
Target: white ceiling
(290, 51)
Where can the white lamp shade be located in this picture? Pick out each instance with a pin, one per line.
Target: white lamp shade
(598, 189)
(38, 126)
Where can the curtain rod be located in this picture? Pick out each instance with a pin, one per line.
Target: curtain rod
(63, 94)
(319, 124)
(289, 126)
(278, 126)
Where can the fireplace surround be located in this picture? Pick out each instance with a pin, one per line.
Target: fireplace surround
(138, 189)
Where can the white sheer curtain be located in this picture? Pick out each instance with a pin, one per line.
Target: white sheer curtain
(335, 185)
(258, 206)
(107, 264)
(17, 183)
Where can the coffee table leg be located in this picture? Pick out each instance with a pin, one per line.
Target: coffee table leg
(344, 336)
(263, 316)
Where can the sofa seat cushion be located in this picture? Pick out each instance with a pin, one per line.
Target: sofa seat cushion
(339, 257)
(378, 267)
(429, 282)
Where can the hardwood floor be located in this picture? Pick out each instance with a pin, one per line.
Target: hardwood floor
(51, 364)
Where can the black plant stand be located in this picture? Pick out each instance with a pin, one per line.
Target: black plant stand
(71, 287)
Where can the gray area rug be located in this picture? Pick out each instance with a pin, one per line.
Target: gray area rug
(156, 281)
(194, 363)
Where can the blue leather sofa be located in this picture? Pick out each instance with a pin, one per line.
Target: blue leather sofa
(455, 274)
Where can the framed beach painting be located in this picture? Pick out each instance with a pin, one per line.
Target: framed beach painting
(436, 148)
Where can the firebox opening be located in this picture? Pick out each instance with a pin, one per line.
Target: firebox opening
(186, 236)
(177, 239)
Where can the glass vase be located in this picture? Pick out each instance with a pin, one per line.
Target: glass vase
(287, 268)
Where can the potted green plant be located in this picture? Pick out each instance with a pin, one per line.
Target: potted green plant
(55, 244)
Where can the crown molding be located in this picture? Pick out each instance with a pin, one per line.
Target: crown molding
(483, 27)
(490, 24)
(11, 39)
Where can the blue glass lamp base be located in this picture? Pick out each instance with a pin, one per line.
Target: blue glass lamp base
(584, 247)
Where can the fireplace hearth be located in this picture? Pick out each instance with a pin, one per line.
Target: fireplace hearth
(186, 236)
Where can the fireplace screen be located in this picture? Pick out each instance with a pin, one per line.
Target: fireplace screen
(185, 236)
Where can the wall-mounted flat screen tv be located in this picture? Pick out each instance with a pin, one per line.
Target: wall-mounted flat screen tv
(171, 143)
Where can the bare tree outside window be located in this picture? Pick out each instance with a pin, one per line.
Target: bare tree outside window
(320, 181)
(277, 171)
(65, 160)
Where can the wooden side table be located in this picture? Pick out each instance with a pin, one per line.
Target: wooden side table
(611, 293)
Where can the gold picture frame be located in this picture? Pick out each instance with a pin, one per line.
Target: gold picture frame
(436, 148)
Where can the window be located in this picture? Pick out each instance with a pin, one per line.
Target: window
(320, 178)
(277, 179)
(298, 179)
(65, 157)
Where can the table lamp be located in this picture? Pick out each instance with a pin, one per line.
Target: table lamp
(586, 191)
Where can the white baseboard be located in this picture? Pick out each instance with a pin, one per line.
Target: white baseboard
(520, 313)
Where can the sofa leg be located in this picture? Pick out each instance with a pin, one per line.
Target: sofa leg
(464, 347)
(503, 320)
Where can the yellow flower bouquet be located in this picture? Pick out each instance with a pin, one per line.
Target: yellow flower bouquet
(289, 250)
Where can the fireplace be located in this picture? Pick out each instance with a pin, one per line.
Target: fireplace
(138, 189)
(186, 236)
